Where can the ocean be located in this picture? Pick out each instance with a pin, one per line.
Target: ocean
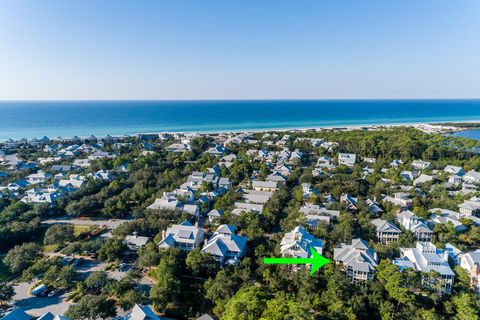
(26, 119)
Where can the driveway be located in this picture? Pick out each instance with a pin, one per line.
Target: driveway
(38, 306)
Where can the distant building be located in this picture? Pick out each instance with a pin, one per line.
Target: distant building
(421, 165)
(347, 159)
(265, 185)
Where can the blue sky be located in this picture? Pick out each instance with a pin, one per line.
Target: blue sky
(248, 49)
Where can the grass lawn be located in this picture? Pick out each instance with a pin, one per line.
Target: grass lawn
(49, 247)
(4, 271)
(79, 229)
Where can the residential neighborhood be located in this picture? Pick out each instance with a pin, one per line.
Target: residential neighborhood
(175, 226)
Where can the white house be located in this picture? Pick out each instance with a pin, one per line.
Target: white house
(347, 159)
(297, 244)
(225, 245)
(470, 207)
(472, 176)
(215, 215)
(426, 257)
(458, 171)
(418, 226)
(470, 262)
(141, 312)
(400, 199)
(135, 242)
(184, 236)
(421, 165)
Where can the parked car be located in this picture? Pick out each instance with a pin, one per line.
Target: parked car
(40, 290)
(52, 293)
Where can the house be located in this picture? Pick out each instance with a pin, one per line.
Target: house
(135, 242)
(453, 253)
(347, 159)
(427, 257)
(39, 177)
(400, 199)
(443, 216)
(215, 215)
(16, 314)
(395, 163)
(166, 203)
(373, 206)
(358, 260)
(17, 185)
(421, 165)
(349, 201)
(472, 176)
(50, 316)
(62, 168)
(227, 160)
(423, 178)
(455, 180)
(408, 175)
(470, 262)
(458, 171)
(247, 207)
(192, 209)
(225, 245)
(178, 148)
(470, 207)
(184, 236)
(316, 214)
(265, 185)
(386, 231)
(409, 221)
(277, 177)
(217, 151)
(253, 196)
(101, 175)
(297, 243)
(82, 163)
(141, 312)
(205, 317)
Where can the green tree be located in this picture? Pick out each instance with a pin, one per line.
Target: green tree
(22, 256)
(96, 281)
(247, 304)
(168, 286)
(112, 250)
(92, 307)
(466, 308)
(59, 234)
(201, 264)
(6, 292)
(284, 307)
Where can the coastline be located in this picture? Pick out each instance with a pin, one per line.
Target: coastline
(442, 127)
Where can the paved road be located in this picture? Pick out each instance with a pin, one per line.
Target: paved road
(39, 305)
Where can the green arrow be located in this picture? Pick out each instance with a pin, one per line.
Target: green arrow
(317, 261)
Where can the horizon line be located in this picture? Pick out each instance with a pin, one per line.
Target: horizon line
(236, 99)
